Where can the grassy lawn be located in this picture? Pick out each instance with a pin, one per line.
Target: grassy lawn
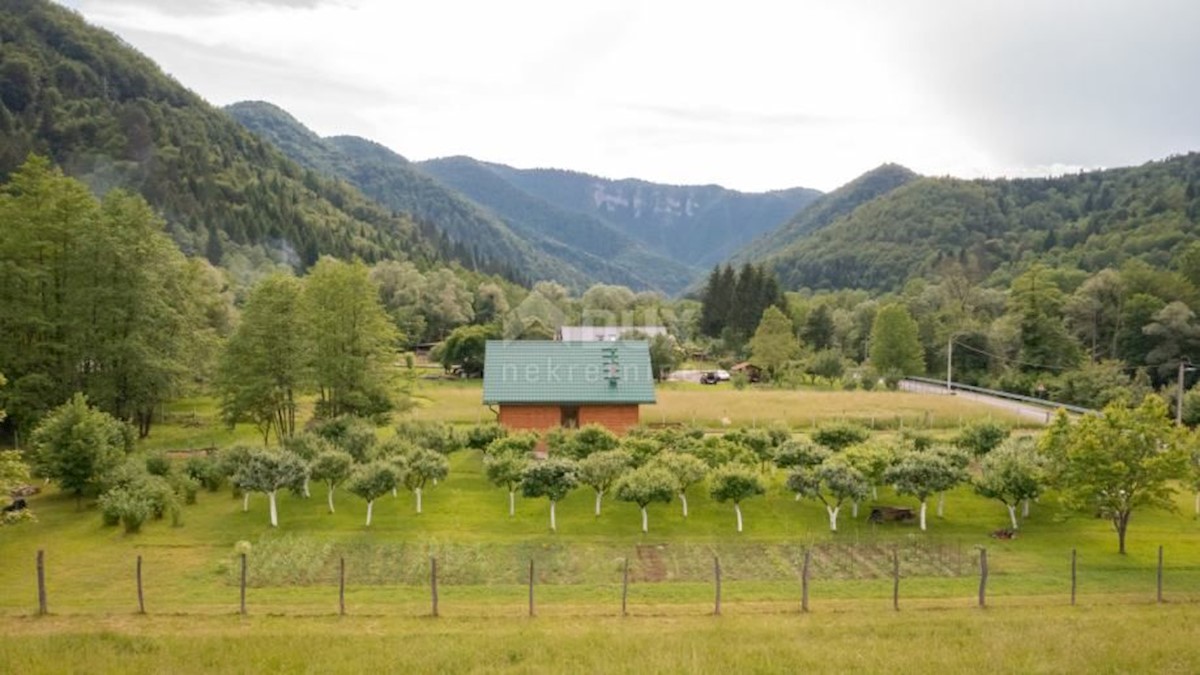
(191, 575)
(483, 554)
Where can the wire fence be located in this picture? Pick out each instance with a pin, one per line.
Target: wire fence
(659, 576)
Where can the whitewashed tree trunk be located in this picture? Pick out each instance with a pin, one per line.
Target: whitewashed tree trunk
(395, 492)
(417, 492)
(833, 514)
(307, 494)
(329, 495)
(274, 512)
(1012, 514)
(599, 495)
(370, 507)
(941, 512)
(512, 503)
(1025, 509)
(245, 501)
(854, 509)
(874, 492)
(645, 521)
(797, 496)
(737, 508)
(683, 500)
(923, 515)
(553, 525)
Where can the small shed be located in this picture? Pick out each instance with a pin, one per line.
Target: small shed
(752, 372)
(541, 384)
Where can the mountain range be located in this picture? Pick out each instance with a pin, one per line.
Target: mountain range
(567, 226)
(252, 177)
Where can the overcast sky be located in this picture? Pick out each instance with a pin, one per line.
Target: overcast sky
(752, 95)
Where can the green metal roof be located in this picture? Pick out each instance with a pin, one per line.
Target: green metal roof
(541, 371)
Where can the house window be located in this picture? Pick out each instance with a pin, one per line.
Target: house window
(570, 416)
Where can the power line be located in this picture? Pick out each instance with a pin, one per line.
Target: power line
(1040, 366)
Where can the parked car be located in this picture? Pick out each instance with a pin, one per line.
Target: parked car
(709, 377)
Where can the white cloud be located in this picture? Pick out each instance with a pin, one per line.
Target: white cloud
(752, 95)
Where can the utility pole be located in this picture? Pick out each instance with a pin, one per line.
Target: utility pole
(949, 363)
(1183, 368)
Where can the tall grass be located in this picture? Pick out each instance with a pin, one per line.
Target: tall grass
(850, 638)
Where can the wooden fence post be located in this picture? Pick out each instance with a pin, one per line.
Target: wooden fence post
(433, 584)
(531, 587)
(243, 584)
(717, 579)
(625, 590)
(804, 580)
(1073, 576)
(41, 578)
(983, 575)
(141, 596)
(1160, 574)
(896, 579)
(342, 586)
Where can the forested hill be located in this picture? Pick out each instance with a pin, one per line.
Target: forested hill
(1089, 220)
(826, 209)
(593, 245)
(697, 225)
(391, 180)
(111, 117)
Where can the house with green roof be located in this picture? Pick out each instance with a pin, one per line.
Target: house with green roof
(541, 384)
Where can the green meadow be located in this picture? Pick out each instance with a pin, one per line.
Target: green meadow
(191, 578)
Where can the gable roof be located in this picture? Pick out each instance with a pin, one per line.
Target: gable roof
(607, 333)
(543, 371)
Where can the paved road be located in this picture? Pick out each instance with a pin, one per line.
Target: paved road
(1029, 411)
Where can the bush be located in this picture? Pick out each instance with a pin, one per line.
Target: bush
(980, 438)
(521, 444)
(126, 505)
(185, 487)
(158, 465)
(480, 436)
(437, 436)
(891, 379)
(837, 437)
(205, 471)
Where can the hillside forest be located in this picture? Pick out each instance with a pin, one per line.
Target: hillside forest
(139, 227)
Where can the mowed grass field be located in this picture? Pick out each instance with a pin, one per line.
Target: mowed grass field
(191, 579)
(716, 405)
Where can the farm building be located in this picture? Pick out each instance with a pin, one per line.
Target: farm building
(539, 385)
(606, 333)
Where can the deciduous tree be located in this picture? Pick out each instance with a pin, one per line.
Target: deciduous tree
(644, 486)
(77, 446)
(601, 470)
(685, 471)
(734, 483)
(1118, 462)
(551, 478)
(774, 342)
(922, 474)
(1012, 473)
(332, 467)
(352, 340)
(895, 342)
(266, 363)
(372, 481)
(268, 471)
(833, 483)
